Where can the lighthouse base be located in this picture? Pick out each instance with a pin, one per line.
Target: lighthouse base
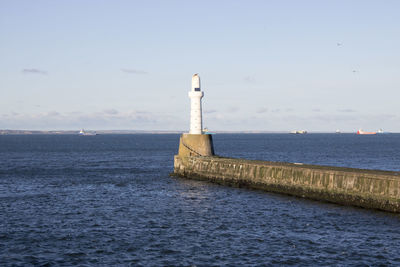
(196, 145)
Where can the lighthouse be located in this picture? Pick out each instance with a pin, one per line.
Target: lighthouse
(195, 143)
(195, 95)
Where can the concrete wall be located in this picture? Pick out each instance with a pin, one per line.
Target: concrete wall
(196, 145)
(363, 188)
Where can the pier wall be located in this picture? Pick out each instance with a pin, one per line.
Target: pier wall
(356, 187)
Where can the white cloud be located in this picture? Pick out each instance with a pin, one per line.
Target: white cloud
(112, 119)
(233, 109)
(347, 110)
(111, 111)
(34, 71)
(262, 110)
(107, 120)
(133, 71)
(249, 79)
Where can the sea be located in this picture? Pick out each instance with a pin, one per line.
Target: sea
(108, 200)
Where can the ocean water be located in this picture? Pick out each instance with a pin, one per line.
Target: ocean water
(108, 200)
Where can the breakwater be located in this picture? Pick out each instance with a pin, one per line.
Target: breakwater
(356, 187)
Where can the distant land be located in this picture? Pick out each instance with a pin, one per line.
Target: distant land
(72, 132)
(54, 132)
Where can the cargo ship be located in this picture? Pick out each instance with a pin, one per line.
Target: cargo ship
(362, 132)
(82, 132)
(299, 132)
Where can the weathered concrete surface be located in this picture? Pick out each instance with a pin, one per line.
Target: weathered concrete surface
(356, 187)
(196, 145)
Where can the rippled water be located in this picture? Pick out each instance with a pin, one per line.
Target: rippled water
(108, 200)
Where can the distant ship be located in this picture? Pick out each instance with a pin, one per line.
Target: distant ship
(338, 131)
(299, 132)
(362, 132)
(82, 132)
(380, 131)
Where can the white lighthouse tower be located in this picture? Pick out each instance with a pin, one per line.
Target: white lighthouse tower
(195, 95)
(195, 143)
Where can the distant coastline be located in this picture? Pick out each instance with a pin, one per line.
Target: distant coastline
(71, 132)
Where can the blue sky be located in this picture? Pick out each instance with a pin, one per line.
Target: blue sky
(264, 65)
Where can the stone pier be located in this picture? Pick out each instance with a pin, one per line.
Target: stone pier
(347, 186)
